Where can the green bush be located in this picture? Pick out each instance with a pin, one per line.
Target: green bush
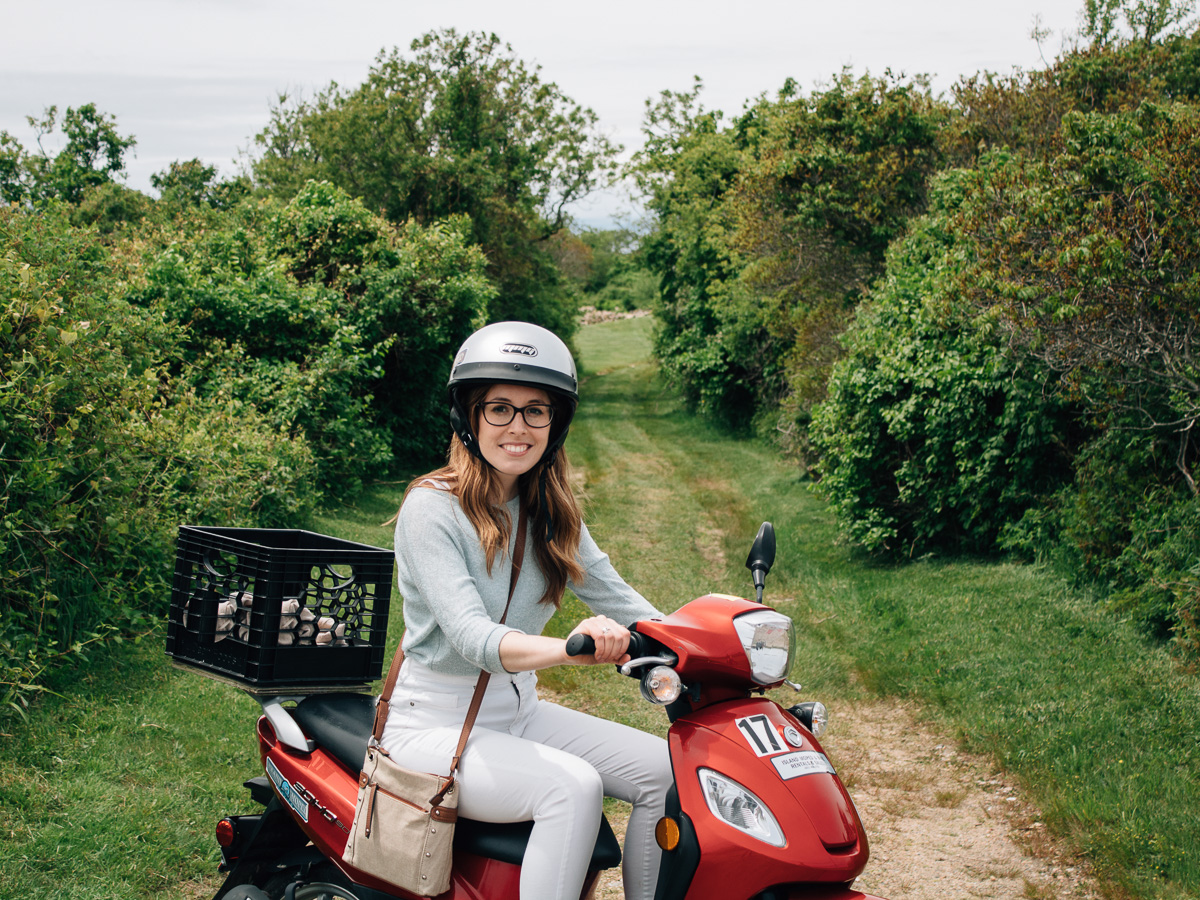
(104, 452)
(409, 294)
(770, 230)
(256, 335)
(1126, 527)
(1027, 380)
(328, 320)
(932, 438)
(627, 291)
(1023, 111)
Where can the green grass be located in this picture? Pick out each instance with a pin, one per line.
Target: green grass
(609, 345)
(111, 791)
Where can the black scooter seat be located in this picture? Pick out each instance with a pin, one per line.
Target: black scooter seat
(340, 724)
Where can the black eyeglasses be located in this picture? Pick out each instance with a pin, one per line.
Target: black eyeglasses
(536, 415)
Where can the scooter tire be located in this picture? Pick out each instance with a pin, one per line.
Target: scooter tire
(323, 883)
(246, 892)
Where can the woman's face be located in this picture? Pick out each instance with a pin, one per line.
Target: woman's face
(515, 448)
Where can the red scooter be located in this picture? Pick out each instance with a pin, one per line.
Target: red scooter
(757, 811)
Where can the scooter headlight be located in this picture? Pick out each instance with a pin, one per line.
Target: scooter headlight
(739, 808)
(769, 642)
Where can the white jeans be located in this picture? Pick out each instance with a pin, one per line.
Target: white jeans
(529, 759)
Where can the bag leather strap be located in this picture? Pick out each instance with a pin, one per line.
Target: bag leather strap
(382, 706)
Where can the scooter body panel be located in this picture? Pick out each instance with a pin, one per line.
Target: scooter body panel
(754, 743)
(319, 790)
(322, 796)
(708, 653)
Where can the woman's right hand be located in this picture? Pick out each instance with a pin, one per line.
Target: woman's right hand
(610, 637)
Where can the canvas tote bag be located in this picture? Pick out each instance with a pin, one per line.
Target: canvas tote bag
(403, 829)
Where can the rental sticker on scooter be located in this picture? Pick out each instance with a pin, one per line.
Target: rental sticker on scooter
(802, 762)
(289, 794)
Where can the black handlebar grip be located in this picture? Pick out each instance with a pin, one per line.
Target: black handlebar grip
(639, 645)
(580, 645)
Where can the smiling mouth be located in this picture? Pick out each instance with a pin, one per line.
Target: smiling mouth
(516, 449)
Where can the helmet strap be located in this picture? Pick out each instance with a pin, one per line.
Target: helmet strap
(460, 421)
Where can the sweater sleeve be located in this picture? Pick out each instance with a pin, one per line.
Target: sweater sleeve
(443, 604)
(604, 591)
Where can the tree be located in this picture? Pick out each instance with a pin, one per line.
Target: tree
(836, 176)
(1145, 19)
(13, 188)
(687, 168)
(192, 183)
(771, 228)
(94, 153)
(460, 126)
(1093, 262)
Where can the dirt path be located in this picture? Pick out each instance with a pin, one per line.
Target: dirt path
(942, 825)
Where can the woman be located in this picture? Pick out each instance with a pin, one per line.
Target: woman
(512, 396)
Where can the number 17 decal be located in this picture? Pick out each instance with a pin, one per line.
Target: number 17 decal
(760, 734)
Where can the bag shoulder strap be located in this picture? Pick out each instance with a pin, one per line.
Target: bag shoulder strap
(383, 704)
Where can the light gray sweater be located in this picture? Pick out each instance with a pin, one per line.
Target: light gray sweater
(452, 606)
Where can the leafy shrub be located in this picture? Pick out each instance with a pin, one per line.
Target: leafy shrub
(626, 291)
(932, 438)
(328, 320)
(1082, 266)
(771, 229)
(1023, 111)
(104, 453)
(1125, 526)
(256, 335)
(410, 294)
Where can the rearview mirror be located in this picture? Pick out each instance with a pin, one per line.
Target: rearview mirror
(762, 556)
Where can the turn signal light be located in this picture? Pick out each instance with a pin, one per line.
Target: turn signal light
(666, 832)
(661, 685)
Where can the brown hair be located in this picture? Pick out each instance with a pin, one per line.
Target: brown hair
(475, 485)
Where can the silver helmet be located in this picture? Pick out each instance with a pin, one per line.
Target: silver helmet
(514, 353)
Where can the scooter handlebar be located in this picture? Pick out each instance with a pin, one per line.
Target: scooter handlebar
(583, 645)
(580, 645)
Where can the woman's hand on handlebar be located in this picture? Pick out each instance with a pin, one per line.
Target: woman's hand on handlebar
(610, 637)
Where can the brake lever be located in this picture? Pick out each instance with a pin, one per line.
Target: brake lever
(627, 668)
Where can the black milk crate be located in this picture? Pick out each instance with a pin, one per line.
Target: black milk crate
(273, 608)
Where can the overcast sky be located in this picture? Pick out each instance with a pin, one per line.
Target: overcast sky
(196, 78)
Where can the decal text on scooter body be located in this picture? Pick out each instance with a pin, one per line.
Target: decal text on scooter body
(803, 762)
(760, 734)
(287, 792)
